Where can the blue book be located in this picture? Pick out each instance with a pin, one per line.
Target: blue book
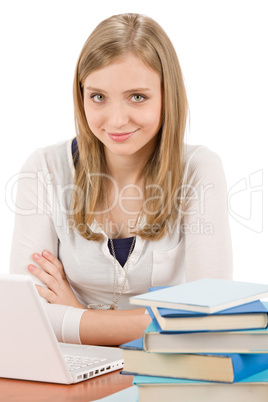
(159, 389)
(204, 295)
(224, 367)
(252, 315)
(242, 341)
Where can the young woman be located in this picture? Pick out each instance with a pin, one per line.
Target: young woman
(126, 205)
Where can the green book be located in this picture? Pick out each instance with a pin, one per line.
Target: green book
(243, 341)
(159, 389)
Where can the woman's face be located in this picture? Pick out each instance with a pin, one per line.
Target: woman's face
(122, 104)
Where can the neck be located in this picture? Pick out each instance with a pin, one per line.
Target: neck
(125, 172)
(126, 169)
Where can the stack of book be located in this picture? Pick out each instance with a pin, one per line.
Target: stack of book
(208, 341)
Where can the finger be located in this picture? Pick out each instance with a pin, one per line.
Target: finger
(46, 293)
(47, 266)
(55, 261)
(44, 277)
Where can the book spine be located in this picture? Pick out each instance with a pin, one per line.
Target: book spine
(245, 365)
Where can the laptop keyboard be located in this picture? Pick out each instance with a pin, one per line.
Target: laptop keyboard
(76, 362)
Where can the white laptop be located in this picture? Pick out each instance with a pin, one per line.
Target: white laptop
(29, 349)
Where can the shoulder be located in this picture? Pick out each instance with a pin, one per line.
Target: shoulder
(199, 156)
(200, 160)
(202, 165)
(50, 158)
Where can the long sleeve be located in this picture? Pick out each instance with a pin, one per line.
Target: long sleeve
(34, 231)
(200, 245)
(205, 225)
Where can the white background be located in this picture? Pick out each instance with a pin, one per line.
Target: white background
(222, 48)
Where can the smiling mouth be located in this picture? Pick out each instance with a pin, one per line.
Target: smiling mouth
(119, 137)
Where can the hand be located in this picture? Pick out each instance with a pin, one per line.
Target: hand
(52, 274)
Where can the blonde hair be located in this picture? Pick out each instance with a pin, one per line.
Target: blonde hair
(112, 39)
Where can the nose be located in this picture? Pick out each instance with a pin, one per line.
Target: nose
(118, 116)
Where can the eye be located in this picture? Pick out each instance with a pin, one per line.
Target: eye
(98, 98)
(138, 98)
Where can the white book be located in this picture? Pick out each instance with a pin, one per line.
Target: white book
(129, 394)
(204, 295)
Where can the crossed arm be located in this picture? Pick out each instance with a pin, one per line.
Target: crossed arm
(97, 327)
(206, 255)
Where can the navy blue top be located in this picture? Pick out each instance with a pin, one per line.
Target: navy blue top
(75, 151)
(121, 246)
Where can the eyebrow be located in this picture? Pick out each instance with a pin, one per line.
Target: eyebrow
(127, 91)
